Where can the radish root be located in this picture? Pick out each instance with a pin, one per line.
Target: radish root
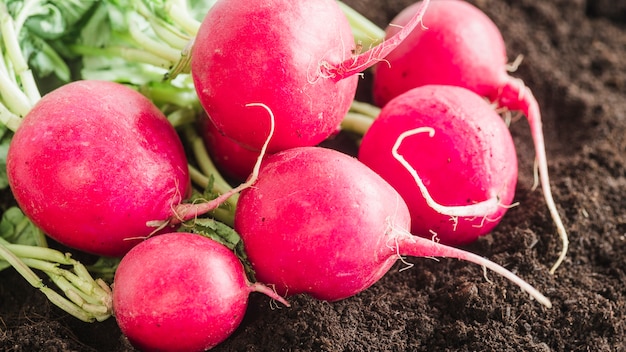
(480, 209)
(422, 247)
(188, 211)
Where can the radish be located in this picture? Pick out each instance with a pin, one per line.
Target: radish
(93, 162)
(181, 292)
(98, 168)
(459, 181)
(462, 46)
(320, 222)
(299, 57)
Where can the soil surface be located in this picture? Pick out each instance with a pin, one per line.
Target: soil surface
(574, 62)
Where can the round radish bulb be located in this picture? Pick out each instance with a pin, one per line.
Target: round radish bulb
(316, 195)
(320, 222)
(297, 57)
(469, 163)
(93, 162)
(181, 292)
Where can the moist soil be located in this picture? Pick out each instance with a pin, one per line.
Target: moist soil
(575, 64)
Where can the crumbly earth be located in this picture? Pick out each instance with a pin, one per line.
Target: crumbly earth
(574, 62)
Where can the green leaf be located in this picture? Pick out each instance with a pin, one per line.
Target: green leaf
(217, 231)
(55, 19)
(104, 268)
(225, 235)
(16, 228)
(43, 58)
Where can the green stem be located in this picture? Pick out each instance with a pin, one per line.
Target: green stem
(356, 123)
(223, 215)
(365, 108)
(38, 253)
(86, 299)
(198, 177)
(184, 64)
(15, 100)
(20, 66)
(181, 18)
(146, 43)
(37, 283)
(126, 53)
(220, 185)
(165, 31)
(360, 117)
(365, 31)
(19, 266)
(181, 117)
(95, 310)
(164, 93)
(9, 119)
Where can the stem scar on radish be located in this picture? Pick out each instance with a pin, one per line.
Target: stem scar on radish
(297, 64)
(462, 46)
(306, 209)
(449, 155)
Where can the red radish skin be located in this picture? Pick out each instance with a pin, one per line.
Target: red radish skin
(295, 56)
(181, 292)
(465, 48)
(461, 46)
(233, 160)
(320, 222)
(468, 166)
(93, 162)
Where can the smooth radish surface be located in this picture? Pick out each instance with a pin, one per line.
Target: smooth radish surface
(93, 162)
(461, 46)
(320, 222)
(467, 167)
(299, 57)
(181, 292)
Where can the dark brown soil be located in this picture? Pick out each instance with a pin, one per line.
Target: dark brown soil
(575, 63)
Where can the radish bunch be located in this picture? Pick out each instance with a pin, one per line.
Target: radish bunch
(98, 167)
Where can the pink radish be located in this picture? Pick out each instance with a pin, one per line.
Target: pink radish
(181, 292)
(93, 162)
(459, 181)
(98, 168)
(461, 46)
(320, 222)
(299, 57)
